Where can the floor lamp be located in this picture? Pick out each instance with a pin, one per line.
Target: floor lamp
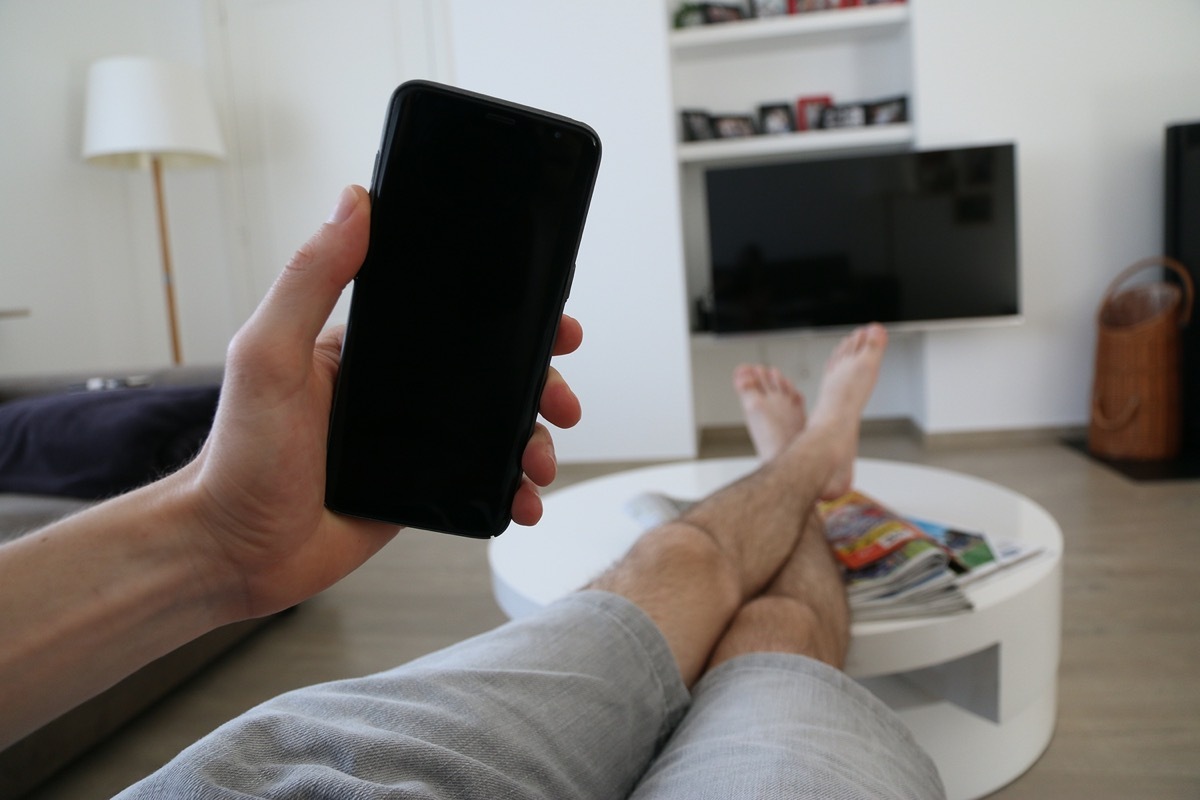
(144, 113)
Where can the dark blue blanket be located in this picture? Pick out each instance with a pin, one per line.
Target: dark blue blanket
(94, 445)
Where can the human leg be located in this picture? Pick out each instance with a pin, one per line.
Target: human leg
(571, 702)
(773, 716)
(772, 406)
(803, 611)
(778, 725)
(575, 705)
(693, 575)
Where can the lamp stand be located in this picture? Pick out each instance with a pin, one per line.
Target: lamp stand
(168, 276)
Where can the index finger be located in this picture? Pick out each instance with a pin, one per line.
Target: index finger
(569, 337)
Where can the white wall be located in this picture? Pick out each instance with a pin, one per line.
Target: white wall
(1085, 88)
(306, 84)
(80, 242)
(607, 66)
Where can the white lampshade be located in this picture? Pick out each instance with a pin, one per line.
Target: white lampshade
(138, 108)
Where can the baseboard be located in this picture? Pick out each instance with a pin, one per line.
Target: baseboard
(998, 438)
(734, 436)
(718, 441)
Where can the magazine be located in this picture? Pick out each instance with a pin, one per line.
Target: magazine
(894, 566)
(977, 555)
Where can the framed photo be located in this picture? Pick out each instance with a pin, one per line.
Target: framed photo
(887, 112)
(808, 111)
(697, 126)
(804, 6)
(776, 118)
(732, 126)
(844, 115)
(715, 13)
(770, 8)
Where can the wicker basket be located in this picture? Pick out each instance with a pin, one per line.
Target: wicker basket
(1137, 409)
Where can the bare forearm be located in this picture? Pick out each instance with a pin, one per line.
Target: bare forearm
(91, 599)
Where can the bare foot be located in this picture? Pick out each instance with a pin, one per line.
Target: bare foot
(774, 408)
(846, 386)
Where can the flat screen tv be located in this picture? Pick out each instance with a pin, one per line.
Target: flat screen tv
(913, 237)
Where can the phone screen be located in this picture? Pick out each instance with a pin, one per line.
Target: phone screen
(478, 207)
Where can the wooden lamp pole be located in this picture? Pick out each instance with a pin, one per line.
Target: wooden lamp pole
(160, 205)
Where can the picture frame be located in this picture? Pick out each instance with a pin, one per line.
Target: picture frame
(806, 6)
(718, 13)
(697, 125)
(844, 115)
(771, 8)
(733, 126)
(808, 111)
(776, 118)
(890, 111)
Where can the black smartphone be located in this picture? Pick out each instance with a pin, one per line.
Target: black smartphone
(478, 207)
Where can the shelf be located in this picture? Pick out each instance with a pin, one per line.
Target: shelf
(11, 313)
(861, 19)
(822, 142)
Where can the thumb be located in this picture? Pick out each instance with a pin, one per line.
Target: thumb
(302, 297)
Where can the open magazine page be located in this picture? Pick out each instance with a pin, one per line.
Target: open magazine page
(976, 555)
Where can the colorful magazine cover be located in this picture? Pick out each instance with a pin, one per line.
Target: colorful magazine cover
(862, 530)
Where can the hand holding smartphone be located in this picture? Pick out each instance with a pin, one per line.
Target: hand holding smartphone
(478, 207)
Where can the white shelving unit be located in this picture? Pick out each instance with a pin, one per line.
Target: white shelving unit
(804, 143)
(706, 39)
(858, 54)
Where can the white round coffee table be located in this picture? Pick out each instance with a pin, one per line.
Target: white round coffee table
(978, 689)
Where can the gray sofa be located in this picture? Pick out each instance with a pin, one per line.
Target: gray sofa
(32, 760)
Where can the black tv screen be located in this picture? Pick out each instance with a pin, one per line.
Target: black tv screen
(901, 238)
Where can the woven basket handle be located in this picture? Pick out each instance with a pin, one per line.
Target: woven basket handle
(1189, 291)
(1106, 423)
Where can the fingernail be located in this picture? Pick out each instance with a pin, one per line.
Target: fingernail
(345, 206)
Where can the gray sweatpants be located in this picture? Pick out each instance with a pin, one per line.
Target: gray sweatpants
(580, 701)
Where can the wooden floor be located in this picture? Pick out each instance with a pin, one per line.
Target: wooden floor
(1129, 703)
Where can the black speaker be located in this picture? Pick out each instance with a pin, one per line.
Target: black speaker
(1182, 242)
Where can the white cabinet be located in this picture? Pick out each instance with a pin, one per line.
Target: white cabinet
(858, 54)
(852, 54)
